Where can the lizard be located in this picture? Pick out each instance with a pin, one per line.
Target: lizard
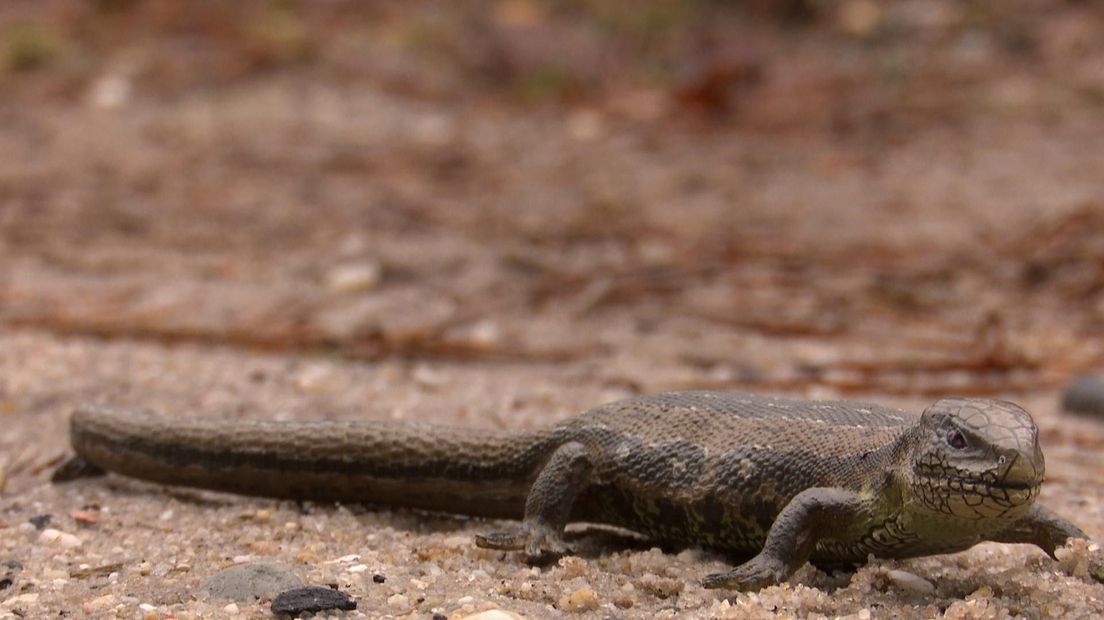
(776, 480)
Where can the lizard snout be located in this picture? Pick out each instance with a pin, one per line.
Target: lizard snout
(1022, 470)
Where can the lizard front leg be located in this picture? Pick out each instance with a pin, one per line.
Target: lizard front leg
(1041, 527)
(547, 507)
(792, 538)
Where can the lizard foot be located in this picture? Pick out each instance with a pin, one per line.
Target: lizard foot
(759, 572)
(540, 542)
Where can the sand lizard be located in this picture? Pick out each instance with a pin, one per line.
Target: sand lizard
(780, 481)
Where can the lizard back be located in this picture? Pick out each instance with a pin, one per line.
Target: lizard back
(716, 468)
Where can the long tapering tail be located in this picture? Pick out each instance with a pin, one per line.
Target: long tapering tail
(452, 469)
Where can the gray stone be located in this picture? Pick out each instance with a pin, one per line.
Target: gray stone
(248, 582)
(311, 599)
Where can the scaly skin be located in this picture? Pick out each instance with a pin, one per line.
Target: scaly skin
(785, 481)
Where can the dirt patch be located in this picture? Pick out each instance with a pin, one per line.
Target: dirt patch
(501, 214)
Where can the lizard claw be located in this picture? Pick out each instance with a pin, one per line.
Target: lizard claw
(540, 542)
(757, 573)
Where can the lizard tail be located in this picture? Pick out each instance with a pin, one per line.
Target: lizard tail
(459, 470)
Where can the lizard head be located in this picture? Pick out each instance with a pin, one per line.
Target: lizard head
(976, 459)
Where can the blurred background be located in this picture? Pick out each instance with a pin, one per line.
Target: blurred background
(828, 197)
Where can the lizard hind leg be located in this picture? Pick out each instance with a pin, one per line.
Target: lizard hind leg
(547, 507)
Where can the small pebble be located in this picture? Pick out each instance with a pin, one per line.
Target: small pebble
(98, 604)
(248, 582)
(378, 578)
(909, 582)
(354, 277)
(573, 566)
(398, 601)
(583, 599)
(40, 521)
(312, 599)
(1085, 394)
(51, 536)
(624, 600)
(84, 517)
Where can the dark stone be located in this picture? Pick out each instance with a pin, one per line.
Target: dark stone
(41, 521)
(1085, 394)
(378, 578)
(312, 599)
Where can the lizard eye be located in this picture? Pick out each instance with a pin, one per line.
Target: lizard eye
(955, 439)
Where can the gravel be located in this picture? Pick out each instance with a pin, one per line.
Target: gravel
(159, 545)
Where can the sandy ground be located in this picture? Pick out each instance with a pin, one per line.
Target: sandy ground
(152, 546)
(408, 213)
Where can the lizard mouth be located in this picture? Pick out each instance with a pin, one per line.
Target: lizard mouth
(1019, 486)
(960, 482)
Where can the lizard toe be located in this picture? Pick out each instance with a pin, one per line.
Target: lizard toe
(504, 540)
(540, 543)
(755, 574)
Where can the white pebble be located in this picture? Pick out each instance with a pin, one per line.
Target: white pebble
(354, 277)
(51, 536)
(910, 582)
(398, 601)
